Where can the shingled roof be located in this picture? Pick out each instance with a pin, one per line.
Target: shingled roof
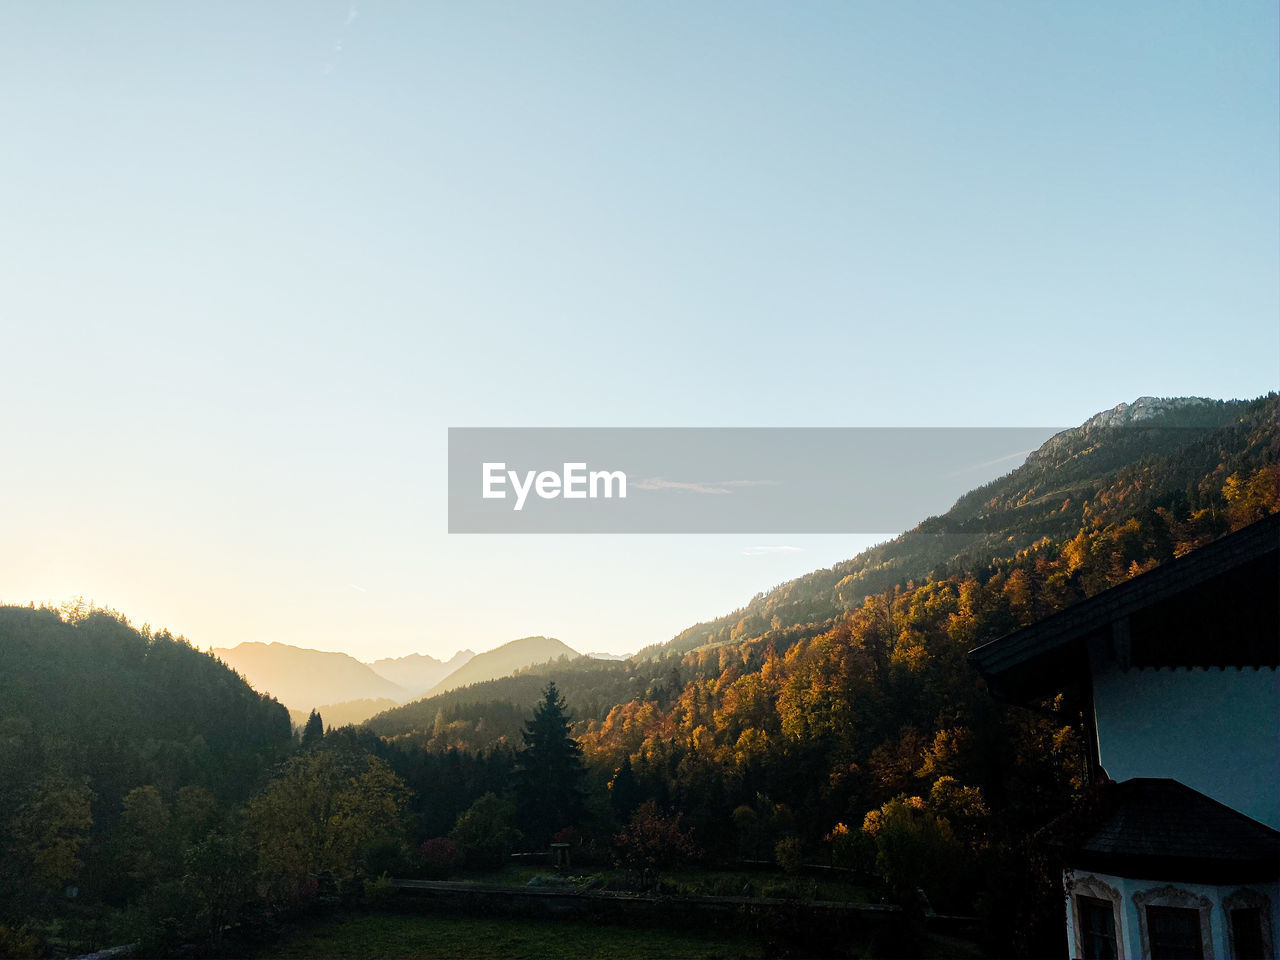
(1216, 606)
(1156, 827)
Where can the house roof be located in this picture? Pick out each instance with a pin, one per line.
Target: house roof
(1177, 610)
(1160, 829)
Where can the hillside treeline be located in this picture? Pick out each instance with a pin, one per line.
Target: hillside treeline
(149, 795)
(1177, 457)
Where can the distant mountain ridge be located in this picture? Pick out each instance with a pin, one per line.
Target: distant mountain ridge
(419, 672)
(344, 690)
(301, 678)
(503, 661)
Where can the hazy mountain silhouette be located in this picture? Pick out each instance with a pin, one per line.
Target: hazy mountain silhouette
(418, 672)
(504, 661)
(302, 679)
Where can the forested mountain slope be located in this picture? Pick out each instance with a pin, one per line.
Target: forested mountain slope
(1150, 479)
(150, 796)
(93, 711)
(503, 661)
(492, 711)
(839, 703)
(1150, 453)
(138, 707)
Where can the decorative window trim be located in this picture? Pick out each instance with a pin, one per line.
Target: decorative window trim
(1171, 896)
(1096, 889)
(1244, 898)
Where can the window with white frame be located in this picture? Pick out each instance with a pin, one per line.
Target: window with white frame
(1097, 924)
(1095, 908)
(1174, 924)
(1174, 933)
(1247, 913)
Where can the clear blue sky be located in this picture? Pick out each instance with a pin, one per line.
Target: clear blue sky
(257, 258)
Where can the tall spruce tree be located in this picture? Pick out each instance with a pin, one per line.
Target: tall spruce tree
(548, 771)
(313, 732)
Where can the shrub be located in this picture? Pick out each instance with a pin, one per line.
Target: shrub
(915, 848)
(651, 840)
(438, 856)
(789, 852)
(378, 890)
(852, 849)
(387, 855)
(486, 830)
(18, 943)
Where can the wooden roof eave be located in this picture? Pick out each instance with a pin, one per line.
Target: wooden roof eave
(1024, 663)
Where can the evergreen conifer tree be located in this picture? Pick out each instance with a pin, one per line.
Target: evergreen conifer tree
(548, 770)
(313, 732)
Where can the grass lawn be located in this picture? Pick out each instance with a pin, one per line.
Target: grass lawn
(731, 884)
(396, 935)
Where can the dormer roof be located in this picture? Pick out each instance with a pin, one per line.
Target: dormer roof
(1157, 827)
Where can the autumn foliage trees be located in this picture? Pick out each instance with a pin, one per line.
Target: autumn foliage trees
(873, 729)
(325, 812)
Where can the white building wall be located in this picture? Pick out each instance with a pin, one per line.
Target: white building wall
(1131, 918)
(1213, 730)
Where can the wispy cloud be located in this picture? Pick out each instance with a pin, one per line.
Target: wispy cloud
(715, 487)
(765, 550)
(361, 589)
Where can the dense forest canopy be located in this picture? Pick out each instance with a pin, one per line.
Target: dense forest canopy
(86, 695)
(119, 748)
